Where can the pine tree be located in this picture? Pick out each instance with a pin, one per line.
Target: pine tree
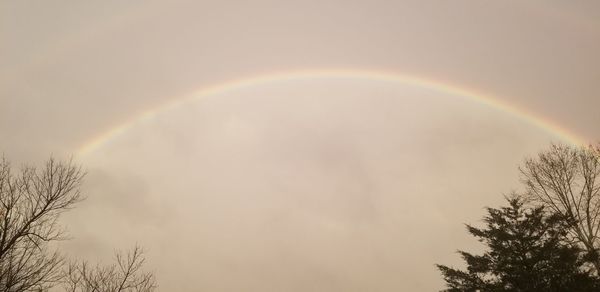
(525, 252)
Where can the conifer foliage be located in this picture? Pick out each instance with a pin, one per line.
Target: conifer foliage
(525, 252)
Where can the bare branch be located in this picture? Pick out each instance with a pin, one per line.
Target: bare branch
(124, 276)
(565, 179)
(31, 202)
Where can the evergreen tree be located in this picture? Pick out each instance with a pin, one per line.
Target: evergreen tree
(526, 252)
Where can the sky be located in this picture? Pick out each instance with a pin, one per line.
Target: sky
(295, 182)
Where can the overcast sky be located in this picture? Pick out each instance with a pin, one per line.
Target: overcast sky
(330, 184)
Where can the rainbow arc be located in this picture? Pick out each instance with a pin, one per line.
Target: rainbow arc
(546, 124)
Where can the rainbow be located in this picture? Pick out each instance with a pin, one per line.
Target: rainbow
(352, 74)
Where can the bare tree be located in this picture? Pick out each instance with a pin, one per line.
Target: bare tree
(566, 179)
(31, 202)
(124, 276)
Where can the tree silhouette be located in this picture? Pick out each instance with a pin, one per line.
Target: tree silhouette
(525, 252)
(31, 202)
(125, 275)
(566, 180)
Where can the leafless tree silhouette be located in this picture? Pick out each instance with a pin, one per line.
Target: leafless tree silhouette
(30, 203)
(566, 180)
(124, 276)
